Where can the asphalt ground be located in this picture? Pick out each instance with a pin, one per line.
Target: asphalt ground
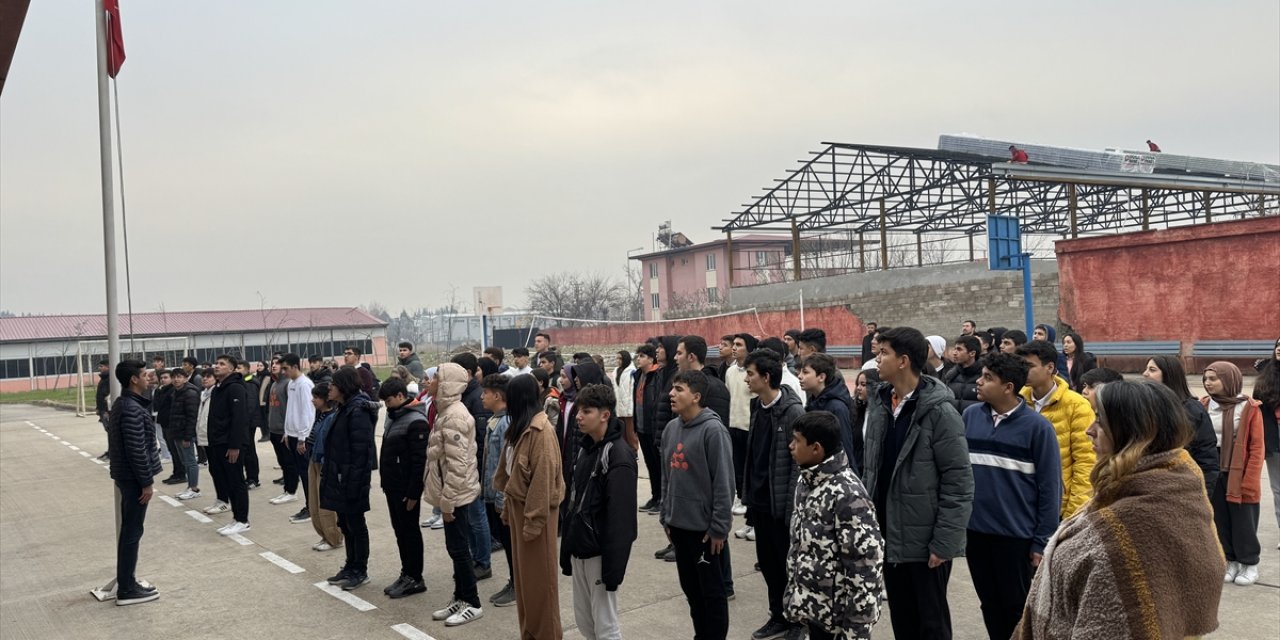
(56, 544)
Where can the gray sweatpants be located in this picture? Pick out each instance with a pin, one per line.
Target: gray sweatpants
(594, 608)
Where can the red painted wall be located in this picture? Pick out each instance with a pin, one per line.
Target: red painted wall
(841, 325)
(1216, 281)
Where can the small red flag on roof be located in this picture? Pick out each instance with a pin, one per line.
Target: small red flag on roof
(115, 37)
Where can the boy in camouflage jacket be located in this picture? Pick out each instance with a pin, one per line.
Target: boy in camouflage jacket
(837, 555)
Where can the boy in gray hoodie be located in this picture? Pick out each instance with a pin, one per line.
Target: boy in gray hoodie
(697, 501)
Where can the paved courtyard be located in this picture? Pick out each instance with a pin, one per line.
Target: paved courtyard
(56, 543)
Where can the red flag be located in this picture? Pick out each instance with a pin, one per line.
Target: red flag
(115, 37)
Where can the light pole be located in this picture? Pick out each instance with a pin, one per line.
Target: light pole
(639, 280)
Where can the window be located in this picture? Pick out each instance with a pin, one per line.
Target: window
(711, 262)
(653, 272)
(713, 295)
(762, 258)
(655, 300)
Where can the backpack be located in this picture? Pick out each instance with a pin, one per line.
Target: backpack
(377, 384)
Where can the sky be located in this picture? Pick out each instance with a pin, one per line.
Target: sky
(322, 153)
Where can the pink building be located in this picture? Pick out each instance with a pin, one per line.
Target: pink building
(696, 276)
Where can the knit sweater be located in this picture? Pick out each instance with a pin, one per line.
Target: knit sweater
(1148, 565)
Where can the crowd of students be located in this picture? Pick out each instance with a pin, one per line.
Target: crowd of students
(1069, 490)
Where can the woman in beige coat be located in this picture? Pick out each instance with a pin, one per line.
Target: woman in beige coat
(451, 484)
(529, 472)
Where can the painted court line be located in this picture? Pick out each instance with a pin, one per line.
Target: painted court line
(84, 453)
(281, 562)
(242, 540)
(30, 423)
(411, 632)
(199, 517)
(97, 461)
(73, 447)
(337, 592)
(170, 501)
(66, 443)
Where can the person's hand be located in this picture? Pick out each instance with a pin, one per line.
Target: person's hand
(1036, 558)
(302, 447)
(410, 504)
(717, 544)
(146, 495)
(233, 455)
(935, 561)
(448, 517)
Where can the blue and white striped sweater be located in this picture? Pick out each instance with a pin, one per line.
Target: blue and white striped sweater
(1017, 474)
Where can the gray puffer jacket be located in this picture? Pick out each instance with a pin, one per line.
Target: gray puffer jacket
(930, 495)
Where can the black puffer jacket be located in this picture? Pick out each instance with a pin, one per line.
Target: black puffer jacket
(1204, 443)
(835, 399)
(588, 373)
(471, 400)
(648, 423)
(162, 406)
(666, 376)
(230, 413)
(783, 471)
(601, 517)
(963, 383)
(717, 398)
(403, 459)
(183, 412)
(350, 457)
(131, 440)
(102, 394)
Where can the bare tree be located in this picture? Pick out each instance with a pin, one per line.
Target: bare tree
(589, 296)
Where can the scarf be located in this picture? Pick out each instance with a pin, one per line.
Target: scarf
(1232, 383)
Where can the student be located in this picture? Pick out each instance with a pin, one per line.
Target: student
(789, 379)
(962, 379)
(1011, 340)
(277, 407)
(939, 361)
(1167, 370)
(480, 540)
(161, 404)
(453, 484)
(317, 371)
(601, 526)
(1077, 360)
(1070, 414)
(401, 466)
(183, 415)
(351, 358)
(519, 363)
(300, 415)
(1017, 489)
(725, 353)
(230, 434)
(202, 421)
(583, 374)
(102, 397)
(697, 502)
(858, 417)
(1089, 382)
(624, 385)
(255, 387)
(827, 391)
(811, 341)
(646, 410)
(409, 360)
(867, 354)
(349, 459)
(542, 342)
(836, 555)
(1149, 509)
(735, 378)
(791, 360)
(1266, 390)
(769, 481)
(493, 393)
(530, 477)
(917, 472)
(135, 462)
(1238, 421)
(324, 521)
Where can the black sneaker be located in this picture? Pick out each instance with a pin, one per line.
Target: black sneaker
(354, 579)
(483, 573)
(136, 596)
(253, 484)
(771, 629)
(106, 455)
(653, 502)
(671, 555)
(303, 515)
(730, 595)
(655, 509)
(279, 480)
(340, 577)
(796, 632)
(410, 587)
(662, 553)
(394, 586)
(504, 598)
(174, 480)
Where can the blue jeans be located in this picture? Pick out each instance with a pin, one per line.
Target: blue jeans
(132, 515)
(457, 541)
(481, 545)
(189, 460)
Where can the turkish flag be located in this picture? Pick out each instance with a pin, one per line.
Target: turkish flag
(115, 37)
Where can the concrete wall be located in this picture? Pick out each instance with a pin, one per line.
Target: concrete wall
(1216, 281)
(842, 327)
(934, 300)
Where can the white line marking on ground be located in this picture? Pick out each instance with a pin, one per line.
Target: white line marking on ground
(199, 517)
(66, 443)
(241, 539)
(31, 423)
(411, 632)
(337, 592)
(97, 461)
(170, 501)
(73, 447)
(281, 562)
(84, 453)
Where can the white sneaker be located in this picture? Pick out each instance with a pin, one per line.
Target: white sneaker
(454, 607)
(234, 528)
(190, 493)
(283, 498)
(438, 524)
(739, 509)
(467, 614)
(751, 534)
(1248, 575)
(1233, 569)
(218, 507)
(323, 546)
(742, 533)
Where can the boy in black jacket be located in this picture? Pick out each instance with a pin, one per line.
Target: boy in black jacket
(402, 463)
(601, 523)
(135, 461)
(181, 429)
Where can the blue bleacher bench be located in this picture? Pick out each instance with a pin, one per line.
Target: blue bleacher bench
(1134, 348)
(1232, 348)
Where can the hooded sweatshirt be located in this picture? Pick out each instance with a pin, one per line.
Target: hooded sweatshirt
(697, 494)
(452, 480)
(836, 399)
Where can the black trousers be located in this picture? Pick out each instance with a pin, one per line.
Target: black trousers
(285, 459)
(773, 539)
(404, 522)
(738, 440)
(457, 541)
(231, 476)
(301, 466)
(356, 530)
(1237, 526)
(918, 600)
(652, 463)
(132, 516)
(701, 579)
(175, 453)
(1001, 570)
(501, 532)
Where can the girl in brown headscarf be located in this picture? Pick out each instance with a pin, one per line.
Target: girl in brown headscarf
(1237, 420)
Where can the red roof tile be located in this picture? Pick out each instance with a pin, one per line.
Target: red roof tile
(177, 323)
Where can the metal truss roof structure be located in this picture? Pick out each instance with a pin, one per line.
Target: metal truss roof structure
(859, 188)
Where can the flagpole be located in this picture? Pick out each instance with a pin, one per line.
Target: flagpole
(108, 198)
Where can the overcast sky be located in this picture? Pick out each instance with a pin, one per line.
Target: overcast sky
(334, 153)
